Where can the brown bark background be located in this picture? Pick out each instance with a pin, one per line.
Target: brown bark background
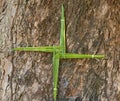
(92, 26)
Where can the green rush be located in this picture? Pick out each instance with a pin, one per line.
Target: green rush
(59, 52)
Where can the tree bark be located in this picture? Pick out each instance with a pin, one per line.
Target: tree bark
(92, 27)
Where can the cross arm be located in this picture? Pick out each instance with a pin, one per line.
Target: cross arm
(56, 60)
(42, 48)
(70, 55)
(62, 31)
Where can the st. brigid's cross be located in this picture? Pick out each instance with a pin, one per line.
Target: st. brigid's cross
(59, 52)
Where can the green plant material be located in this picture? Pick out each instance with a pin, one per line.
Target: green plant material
(42, 49)
(58, 52)
(62, 32)
(55, 74)
(68, 55)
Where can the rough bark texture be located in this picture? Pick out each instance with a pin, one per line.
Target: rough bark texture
(92, 26)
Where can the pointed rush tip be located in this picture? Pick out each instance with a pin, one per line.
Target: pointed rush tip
(100, 56)
(62, 12)
(17, 49)
(13, 49)
(103, 56)
(62, 8)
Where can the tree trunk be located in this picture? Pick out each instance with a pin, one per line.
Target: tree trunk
(92, 27)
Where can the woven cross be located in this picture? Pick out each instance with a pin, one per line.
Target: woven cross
(59, 52)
